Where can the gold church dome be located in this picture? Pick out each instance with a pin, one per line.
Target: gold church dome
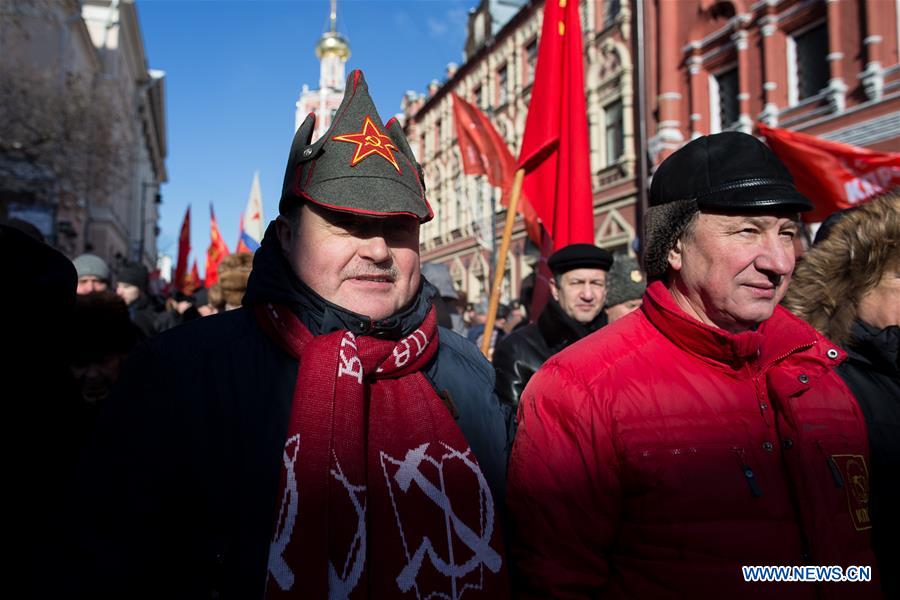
(333, 44)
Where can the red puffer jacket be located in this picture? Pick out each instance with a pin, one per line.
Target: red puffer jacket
(657, 456)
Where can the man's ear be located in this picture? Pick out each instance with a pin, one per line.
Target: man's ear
(285, 231)
(676, 254)
(554, 289)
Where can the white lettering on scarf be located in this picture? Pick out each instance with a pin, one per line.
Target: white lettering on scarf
(408, 472)
(341, 586)
(287, 516)
(353, 365)
(401, 356)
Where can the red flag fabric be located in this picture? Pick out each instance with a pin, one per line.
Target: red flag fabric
(192, 280)
(832, 175)
(484, 152)
(216, 252)
(483, 149)
(555, 150)
(184, 249)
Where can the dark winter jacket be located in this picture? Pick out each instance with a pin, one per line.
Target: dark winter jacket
(144, 315)
(872, 373)
(180, 491)
(520, 354)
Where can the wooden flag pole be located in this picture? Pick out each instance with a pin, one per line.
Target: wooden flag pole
(501, 262)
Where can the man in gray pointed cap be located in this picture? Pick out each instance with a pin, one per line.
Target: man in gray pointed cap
(327, 439)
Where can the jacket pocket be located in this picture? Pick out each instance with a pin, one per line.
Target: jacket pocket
(845, 466)
(702, 481)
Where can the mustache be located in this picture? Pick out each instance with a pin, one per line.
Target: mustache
(388, 272)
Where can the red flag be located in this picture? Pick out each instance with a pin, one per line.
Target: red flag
(834, 176)
(192, 280)
(216, 252)
(184, 249)
(555, 150)
(484, 152)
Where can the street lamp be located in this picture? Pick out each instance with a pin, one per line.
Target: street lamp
(157, 199)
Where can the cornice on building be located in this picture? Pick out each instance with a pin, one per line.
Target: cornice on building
(477, 59)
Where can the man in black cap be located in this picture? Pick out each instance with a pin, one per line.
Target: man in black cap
(706, 431)
(326, 439)
(131, 286)
(578, 293)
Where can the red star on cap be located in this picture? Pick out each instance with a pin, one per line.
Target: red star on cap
(370, 141)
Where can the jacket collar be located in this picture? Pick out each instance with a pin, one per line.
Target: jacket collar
(878, 347)
(560, 330)
(776, 338)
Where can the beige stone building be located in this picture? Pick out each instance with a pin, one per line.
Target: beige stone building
(501, 52)
(83, 149)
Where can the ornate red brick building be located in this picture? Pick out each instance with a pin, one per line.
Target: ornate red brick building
(825, 67)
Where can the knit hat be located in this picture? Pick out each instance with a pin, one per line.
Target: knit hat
(234, 271)
(134, 274)
(579, 256)
(625, 281)
(91, 265)
(358, 166)
(724, 172)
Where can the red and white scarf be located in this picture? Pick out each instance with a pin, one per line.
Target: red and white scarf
(380, 494)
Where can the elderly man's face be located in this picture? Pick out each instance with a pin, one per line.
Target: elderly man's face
(367, 265)
(88, 284)
(581, 293)
(731, 271)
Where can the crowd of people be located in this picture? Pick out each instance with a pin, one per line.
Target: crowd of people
(333, 429)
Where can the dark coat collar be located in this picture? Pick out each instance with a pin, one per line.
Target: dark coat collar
(560, 330)
(878, 347)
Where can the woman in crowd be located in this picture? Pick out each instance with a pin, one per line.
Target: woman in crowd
(848, 287)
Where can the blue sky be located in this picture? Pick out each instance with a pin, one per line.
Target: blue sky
(234, 69)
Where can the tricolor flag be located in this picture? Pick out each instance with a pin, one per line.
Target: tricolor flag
(252, 220)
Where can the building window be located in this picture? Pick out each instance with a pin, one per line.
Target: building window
(611, 10)
(723, 98)
(502, 79)
(808, 68)
(615, 132)
(530, 60)
(478, 95)
(437, 135)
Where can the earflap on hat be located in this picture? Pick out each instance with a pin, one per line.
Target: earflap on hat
(299, 146)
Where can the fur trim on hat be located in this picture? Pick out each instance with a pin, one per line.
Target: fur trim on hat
(663, 225)
(234, 271)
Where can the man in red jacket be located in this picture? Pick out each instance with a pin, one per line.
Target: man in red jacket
(706, 431)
